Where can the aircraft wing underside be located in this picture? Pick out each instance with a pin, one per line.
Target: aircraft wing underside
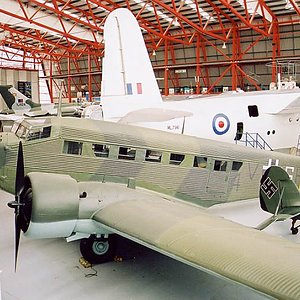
(250, 257)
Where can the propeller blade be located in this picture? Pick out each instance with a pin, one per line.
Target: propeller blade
(17, 238)
(19, 186)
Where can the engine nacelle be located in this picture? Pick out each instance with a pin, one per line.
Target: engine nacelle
(50, 214)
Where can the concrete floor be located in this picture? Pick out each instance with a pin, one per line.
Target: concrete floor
(50, 269)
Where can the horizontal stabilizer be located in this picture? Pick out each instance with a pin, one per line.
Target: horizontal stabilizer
(153, 115)
(291, 108)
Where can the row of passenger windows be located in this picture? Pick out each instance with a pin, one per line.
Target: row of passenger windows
(129, 153)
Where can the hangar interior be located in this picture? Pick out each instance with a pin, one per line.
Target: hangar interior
(55, 47)
(195, 46)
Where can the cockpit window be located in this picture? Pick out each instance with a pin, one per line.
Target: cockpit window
(22, 131)
(39, 133)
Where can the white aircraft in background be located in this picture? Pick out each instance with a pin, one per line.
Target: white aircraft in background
(130, 94)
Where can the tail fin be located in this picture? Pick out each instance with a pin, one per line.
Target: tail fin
(15, 100)
(128, 80)
(7, 96)
(278, 195)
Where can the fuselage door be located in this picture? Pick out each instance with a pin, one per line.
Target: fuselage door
(218, 179)
(239, 131)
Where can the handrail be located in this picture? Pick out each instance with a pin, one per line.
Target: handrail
(255, 140)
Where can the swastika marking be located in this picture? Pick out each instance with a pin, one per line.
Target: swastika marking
(269, 188)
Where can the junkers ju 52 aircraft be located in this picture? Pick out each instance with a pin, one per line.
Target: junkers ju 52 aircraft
(152, 187)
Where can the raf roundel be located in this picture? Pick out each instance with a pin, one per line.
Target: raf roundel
(220, 124)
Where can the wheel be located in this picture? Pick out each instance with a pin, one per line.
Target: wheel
(294, 230)
(97, 250)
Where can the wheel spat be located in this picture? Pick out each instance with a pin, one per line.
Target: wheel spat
(18, 204)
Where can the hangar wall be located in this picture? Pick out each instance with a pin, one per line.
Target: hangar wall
(15, 77)
(182, 64)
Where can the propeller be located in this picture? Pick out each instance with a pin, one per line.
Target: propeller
(22, 203)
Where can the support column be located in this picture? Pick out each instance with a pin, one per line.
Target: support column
(89, 77)
(69, 80)
(166, 93)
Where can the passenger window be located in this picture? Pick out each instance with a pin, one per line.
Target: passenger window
(253, 111)
(127, 153)
(220, 165)
(200, 162)
(236, 165)
(152, 155)
(100, 150)
(176, 159)
(72, 147)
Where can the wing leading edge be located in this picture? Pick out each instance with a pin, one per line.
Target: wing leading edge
(265, 263)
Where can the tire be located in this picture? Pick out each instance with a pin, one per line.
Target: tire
(97, 250)
(294, 230)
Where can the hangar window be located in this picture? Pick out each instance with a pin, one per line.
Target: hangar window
(200, 162)
(152, 155)
(220, 165)
(236, 165)
(100, 150)
(253, 111)
(127, 153)
(176, 159)
(72, 147)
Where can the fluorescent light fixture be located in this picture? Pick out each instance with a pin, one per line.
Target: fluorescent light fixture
(159, 13)
(288, 5)
(202, 12)
(253, 6)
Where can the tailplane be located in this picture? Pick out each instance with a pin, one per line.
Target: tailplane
(128, 80)
(280, 196)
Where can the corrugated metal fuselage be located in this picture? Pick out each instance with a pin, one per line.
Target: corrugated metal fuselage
(183, 178)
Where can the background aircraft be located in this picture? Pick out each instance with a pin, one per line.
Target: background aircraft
(130, 91)
(151, 188)
(19, 104)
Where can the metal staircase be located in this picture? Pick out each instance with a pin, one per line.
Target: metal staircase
(255, 140)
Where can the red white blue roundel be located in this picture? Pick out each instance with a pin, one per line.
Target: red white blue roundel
(220, 124)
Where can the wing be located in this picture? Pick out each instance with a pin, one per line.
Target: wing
(153, 115)
(191, 235)
(175, 228)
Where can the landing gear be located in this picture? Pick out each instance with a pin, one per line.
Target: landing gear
(98, 250)
(294, 229)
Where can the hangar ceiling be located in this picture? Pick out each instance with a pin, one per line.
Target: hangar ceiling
(71, 29)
